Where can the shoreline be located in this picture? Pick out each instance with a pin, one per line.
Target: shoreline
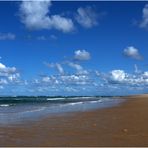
(122, 125)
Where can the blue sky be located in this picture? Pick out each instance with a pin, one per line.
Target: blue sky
(73, 48)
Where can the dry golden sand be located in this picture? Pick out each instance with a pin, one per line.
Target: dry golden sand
(123, 125)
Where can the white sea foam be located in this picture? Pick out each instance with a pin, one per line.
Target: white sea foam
(85, 97)
(94, 101)
(4, 105)
(82, 97)
(36, 110)
(52, 99)
(75, 103)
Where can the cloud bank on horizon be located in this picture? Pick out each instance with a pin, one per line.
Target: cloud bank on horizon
(85, 69)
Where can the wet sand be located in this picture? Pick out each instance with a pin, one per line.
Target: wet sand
(123, 125)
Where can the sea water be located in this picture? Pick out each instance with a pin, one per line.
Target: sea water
(20, 109)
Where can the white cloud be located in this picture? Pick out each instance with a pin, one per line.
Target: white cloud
(113, 81)
(8, 75)
(87, 17)
(14, 77)
(144, 22)
(63, 80)
(117, 75)
(46, 79)
(2, 66)
(7, 36)
(82, 55)
(61, 23)
(97, 73)
(78, 68)
(59, 68)
(3, 81)
(70, 89)
(75, 79)
(121, 78)
(35, 16)
(145, 75)
(6, 71)
(132, 52)
(137, 70)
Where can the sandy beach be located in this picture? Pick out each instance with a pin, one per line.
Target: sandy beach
(123, 125)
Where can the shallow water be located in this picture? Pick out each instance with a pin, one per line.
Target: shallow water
(14, 110)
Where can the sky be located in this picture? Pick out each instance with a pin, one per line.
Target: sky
(73, 48)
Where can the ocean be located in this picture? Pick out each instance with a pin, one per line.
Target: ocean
(20, 109)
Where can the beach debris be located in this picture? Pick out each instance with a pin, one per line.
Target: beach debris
(94, 124)
(125, 130)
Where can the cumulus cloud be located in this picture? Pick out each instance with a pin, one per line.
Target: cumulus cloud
(145, 75)
(132, 52)
(144, 22)
(117, 75)
(123, 79)
(117, 81)
(8, 75)
(83, 81)
(6, 71)
(82, 55)
(61, 83)
(114, 81)
(75, 79)
(87, 17)
(50, 80)
(35, 16)
(7, 36)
